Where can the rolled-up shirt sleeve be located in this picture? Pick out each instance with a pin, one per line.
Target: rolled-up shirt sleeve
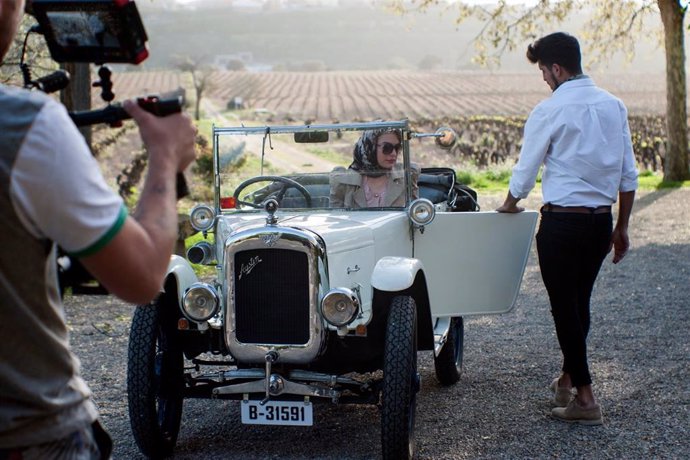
(629, 172)
(535, 146)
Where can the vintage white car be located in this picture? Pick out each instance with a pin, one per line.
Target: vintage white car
(316, 304)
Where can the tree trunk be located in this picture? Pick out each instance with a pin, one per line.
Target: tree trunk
(199, 81)
(676, 160)
(77, 95)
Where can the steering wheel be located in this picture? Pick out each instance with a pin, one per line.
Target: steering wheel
(286, 184)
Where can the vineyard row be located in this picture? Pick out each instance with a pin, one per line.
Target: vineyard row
(369, 95)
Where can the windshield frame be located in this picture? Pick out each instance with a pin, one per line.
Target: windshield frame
(266, 130)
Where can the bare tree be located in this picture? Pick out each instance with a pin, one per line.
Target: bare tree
(201, 77)
(613, 26)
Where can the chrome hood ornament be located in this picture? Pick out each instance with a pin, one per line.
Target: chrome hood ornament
(271, 206)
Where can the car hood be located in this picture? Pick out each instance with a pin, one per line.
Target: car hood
(342, 232)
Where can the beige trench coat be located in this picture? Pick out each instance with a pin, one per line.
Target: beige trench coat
(347, 190)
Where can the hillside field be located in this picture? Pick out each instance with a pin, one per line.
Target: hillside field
(368, 95)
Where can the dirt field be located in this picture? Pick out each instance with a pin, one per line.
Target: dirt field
(369, 95)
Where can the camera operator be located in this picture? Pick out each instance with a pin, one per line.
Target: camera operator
(52, 192)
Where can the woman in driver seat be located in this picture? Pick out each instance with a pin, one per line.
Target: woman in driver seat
(375, 178)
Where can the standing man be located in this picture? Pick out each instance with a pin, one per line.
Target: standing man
(52, 192)
(581, 137)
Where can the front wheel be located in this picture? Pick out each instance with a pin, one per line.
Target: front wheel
(400, 380)
(448, 363)
(155, 379)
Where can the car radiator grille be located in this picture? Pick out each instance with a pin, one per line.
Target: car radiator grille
(272, 296)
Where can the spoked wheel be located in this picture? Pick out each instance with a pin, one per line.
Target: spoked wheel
(448, 363)
(400, 380)
(155, 380)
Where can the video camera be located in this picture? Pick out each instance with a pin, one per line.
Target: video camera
(94, 31)
(99, 32)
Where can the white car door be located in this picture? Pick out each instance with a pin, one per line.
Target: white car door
(474, 261)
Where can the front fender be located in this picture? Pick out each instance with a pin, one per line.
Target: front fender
(184, 275)
(394, 274)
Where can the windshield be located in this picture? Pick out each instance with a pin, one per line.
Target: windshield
(346, 166)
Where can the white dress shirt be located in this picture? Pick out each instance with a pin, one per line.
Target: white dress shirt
(581, 136)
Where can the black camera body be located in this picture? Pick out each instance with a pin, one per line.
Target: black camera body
(96, 31)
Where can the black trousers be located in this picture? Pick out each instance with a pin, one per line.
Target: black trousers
(571, 249)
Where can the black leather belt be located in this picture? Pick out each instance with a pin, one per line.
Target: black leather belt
(548, 207)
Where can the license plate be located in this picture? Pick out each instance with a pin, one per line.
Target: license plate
(277, 413)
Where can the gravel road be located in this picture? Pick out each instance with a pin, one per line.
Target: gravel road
(639, 353)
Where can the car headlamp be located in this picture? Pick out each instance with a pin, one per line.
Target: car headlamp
(202, 217)
(200, 302)
(421, 212)
(340, 306)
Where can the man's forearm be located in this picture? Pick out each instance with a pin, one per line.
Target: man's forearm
(156, 210)
(133, 264)
(625, 205)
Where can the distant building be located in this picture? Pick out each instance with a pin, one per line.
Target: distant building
(225, 61)
(243, 60)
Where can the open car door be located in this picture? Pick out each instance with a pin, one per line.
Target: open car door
(474, 261)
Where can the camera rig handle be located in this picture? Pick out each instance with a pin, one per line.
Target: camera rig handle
(113, 114)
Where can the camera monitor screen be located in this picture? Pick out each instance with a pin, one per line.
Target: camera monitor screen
(97, 31)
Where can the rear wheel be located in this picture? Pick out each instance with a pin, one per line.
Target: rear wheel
(400, 380)
(155, 379)
(448, 363)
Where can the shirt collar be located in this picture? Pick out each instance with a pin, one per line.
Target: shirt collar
(575, 81)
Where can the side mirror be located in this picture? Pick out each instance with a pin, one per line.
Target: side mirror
(445, 137)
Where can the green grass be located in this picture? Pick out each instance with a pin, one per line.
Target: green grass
(204, 126)
(649, 180)
(489, 180)
(497, 179)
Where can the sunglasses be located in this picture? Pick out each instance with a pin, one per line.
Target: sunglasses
(387, 148)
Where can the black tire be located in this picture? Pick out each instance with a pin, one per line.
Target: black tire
(448, 363)
(400, 380)
(155, 380)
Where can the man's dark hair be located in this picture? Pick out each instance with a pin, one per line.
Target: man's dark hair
(557, 48)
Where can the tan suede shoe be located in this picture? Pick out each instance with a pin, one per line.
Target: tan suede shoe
(561, 396)
(574, 413)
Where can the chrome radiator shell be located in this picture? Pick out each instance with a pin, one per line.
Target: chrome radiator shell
(258, 320)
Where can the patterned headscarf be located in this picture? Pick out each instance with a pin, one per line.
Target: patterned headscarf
(364, 155)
